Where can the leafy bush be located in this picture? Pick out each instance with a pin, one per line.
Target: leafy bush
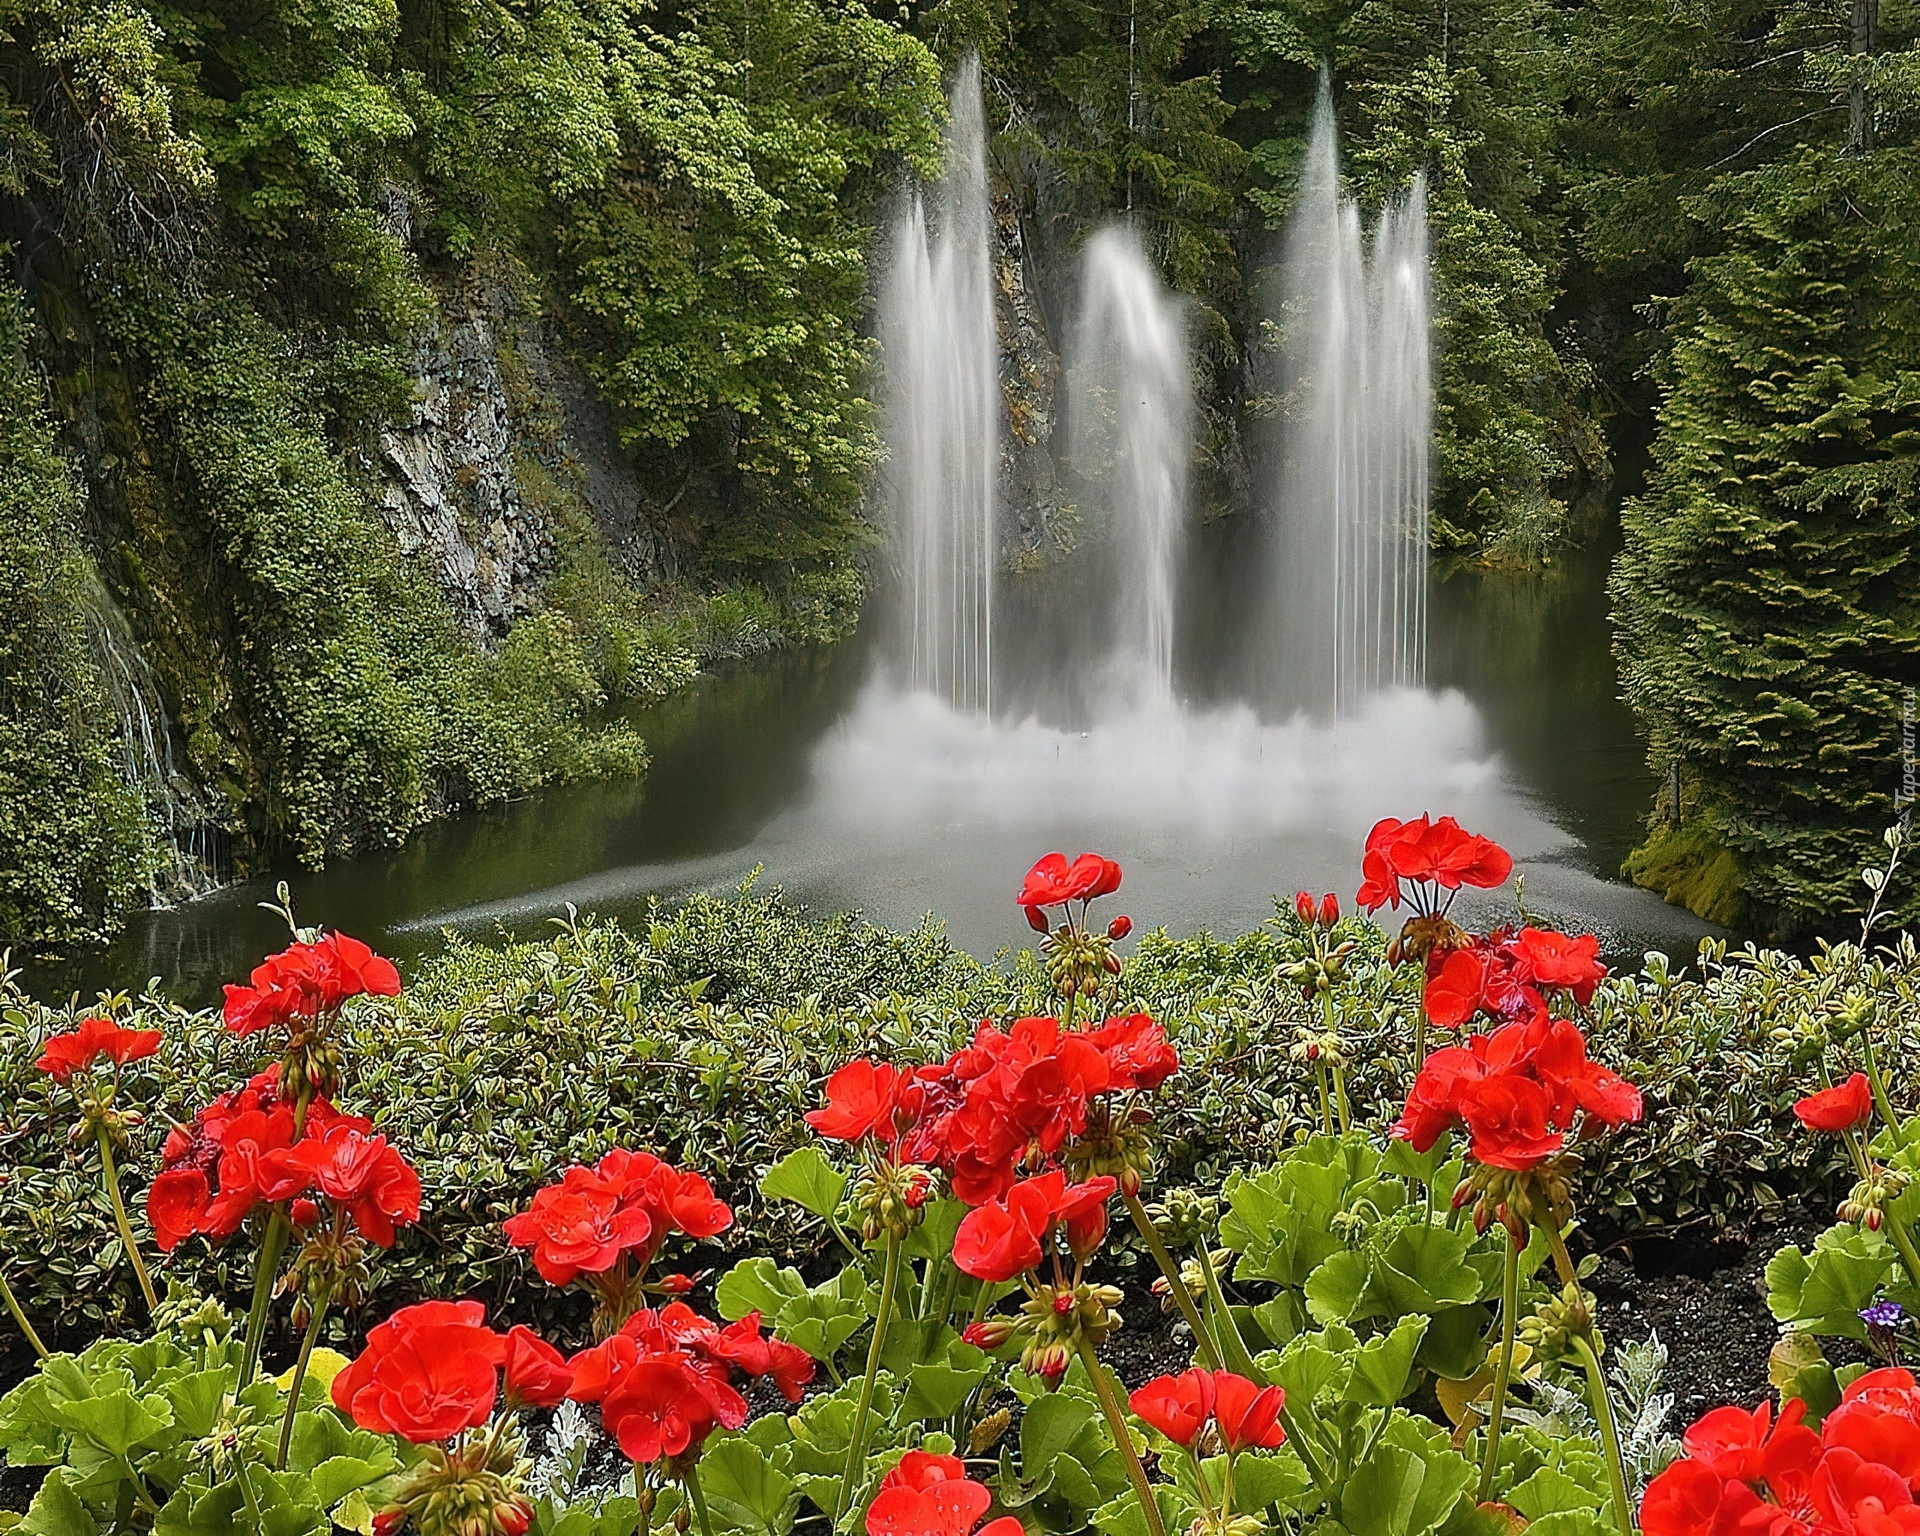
(706, 1035)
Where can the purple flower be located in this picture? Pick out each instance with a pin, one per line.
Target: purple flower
(1883, 1314)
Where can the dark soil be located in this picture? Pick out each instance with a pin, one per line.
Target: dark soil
(1706, 1296)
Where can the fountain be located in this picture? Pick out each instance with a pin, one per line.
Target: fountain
(1131, 419)
(942, 398)
(1358, 387)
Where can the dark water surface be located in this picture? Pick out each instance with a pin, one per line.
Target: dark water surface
(849, 795)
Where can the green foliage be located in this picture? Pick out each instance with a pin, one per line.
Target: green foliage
(74, 838)
(152, 1429)
(1768, 596)
(499, 1066)
(233, 224)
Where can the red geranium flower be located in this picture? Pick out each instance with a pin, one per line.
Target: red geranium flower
(256, 1168)
(1436, 854)
(1517, 1091)
(1137, 1051)
(307, 979)
(537, 1374)
(1177, 1406)
(660, 1406)
(1248, 1414)
(1688, 1499)
(578, 1226)
(366, 1175)
(63, 1055)
(1009, 1237)
(861, 1100)
(1553, 959)
(177, 1202)
(1454, 991)
(428, 1372)
(947, 1507)
(1053, 882)
(1839, 1108)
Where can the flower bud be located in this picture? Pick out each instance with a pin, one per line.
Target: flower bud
(1062, 1304)
(675, 1285)
(1120, 927)
(1037, 919)
(989, 1333)
(388, 1521)
(1111, 961)
(1329, 910)
(514, 1519)
(303, 1213)
(1303, 907)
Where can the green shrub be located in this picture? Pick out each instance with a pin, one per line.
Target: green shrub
(706, 1036)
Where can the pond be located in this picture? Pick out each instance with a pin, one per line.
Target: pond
(848, 794)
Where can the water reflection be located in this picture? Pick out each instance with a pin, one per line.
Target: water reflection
(852, 797)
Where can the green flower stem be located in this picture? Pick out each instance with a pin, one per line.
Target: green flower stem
(699, 1500)
(1881, 1101)
(1326, 1104)
(982, 1299)
(267, 1266)
(1419, 1039)
(20, 1318)
(307, 1341)
(111, 1176)
(1169, 1266)
(857, 1447)
(1234, 1354)
(950, 1291)
(1331, 1018)
(1609, 1435)
(253, 1502)
(1503, 1373)
(1340, 1097)
(1117, 1422)
(1304, 1449)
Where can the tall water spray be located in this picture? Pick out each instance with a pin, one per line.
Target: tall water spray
(1353, 577)
(1132, 430)
(942, 396)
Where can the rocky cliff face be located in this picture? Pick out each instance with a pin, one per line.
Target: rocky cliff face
(498, 417)
(1034, 510)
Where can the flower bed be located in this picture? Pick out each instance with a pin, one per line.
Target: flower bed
(1390, 1334)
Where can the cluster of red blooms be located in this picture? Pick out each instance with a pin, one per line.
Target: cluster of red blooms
(243, 1151)
(1502, 974)
(89, 1042)
(1006, 1238)
(1053, 882)
(1246, 1414)
(926, 1494)
(627, 1204)
(1008, 1101)
(1518, 1092)
(1433, 856)
(305, 980)
(433, 1369)
(664, 1382)
(1749, 1474)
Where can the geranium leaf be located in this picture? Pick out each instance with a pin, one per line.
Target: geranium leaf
(744, 1488)
(117, 1421)
(757, 1285)
(57, 1510)
(806, 1178)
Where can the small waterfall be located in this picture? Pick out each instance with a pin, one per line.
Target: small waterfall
(1353, 550)
(1132, 430)
(943, 404)
(186, 834)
